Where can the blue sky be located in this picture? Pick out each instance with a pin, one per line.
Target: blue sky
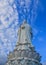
(40, 39)
(12, 15)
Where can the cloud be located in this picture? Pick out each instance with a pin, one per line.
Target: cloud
(28, 9)
(8, 26)
(2, 57)
(35, 31)
(7, 13)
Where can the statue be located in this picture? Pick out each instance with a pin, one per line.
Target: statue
(24, 53)
(24, 33)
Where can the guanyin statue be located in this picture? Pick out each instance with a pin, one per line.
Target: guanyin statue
(24, 33)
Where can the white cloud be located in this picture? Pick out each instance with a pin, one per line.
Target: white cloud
(14, 6)
(28, 3)
(35, 31)
(11, 1)
(22, 3)
(7, 14)
(2, 56)
(8, 17)
(28, 7)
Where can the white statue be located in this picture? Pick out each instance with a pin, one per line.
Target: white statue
(24, 33)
